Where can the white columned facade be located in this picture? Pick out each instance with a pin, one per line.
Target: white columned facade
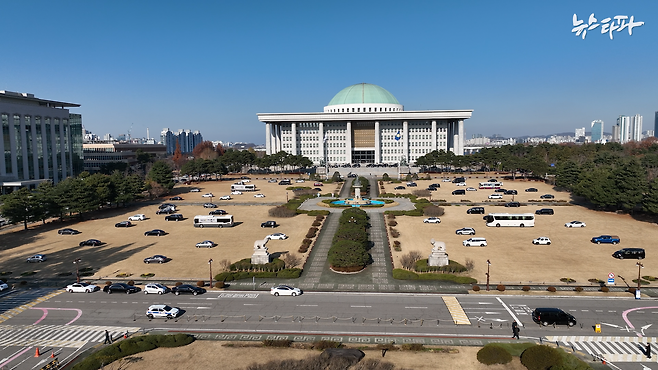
(321, 142)
(348, 136)
(378, 143)
(405, 141)
(434, 136)
(460, 138)
(44, 146)
(293, 126)
(268, 138)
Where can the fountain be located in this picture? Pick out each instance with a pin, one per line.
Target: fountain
(357, 201)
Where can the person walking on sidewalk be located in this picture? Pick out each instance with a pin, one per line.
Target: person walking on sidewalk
(108, 339)
(515, 330)
(648, 350)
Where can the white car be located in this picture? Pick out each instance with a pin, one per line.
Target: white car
(446, 180)
(3, 286)
(236, 192)
(137, 217)
(272, 180)
(285, 290)
(207, 195)
(206, 244)
(475, 242)
(195, 190)
(542, 240)
(37, 258)
(461, 184)
(277, 236)
(432, 220)
(259, 195)
(575, 224)
(155, 289)
(299, 180)
(471, 189)
(465, 231)
(495, 196)
(81, 288)
(162, 311)
(225, 197)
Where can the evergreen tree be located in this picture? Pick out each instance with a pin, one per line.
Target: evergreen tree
(567, 174)
(21, 206)
(630, 178)
(650, 200)
(162, 174)
(598, 186)
(46, 196)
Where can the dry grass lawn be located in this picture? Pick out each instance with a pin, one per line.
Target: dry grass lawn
(208, 354)
(514, 259)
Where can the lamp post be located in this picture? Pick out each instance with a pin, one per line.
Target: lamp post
(326, 158)
(77, 269)
(488, 265)
(639, 269)
(286, 197)
(210, 265)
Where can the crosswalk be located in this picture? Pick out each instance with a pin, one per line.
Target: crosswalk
(459, 317)
(612, 349)
(58, 335)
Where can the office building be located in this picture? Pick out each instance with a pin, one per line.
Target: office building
(635, 128)
(187, 140)
(365, 123)
(99, 154)
(40, 139)
(597, 131)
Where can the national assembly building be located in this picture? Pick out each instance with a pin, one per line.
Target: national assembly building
(365, 123)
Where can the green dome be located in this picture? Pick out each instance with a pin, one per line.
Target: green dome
(363, 93)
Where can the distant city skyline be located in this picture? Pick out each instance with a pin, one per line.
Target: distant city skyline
(518, 65)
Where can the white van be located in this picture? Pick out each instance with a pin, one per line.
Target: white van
(475, 242)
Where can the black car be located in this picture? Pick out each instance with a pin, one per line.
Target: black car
(209, 205)
(217, 212)
(435, 185)
(120, 288)
(431, 188)
(412, 184)
(176, 198)
(544, 211)
(158, 258)
(174, 217)
(68, 231)
(459, 192)
(269, 224)
(187, 289)
(630, 253)
(92, 242)
(531, 190)
(399, 188)
(513, 204)
(123, 224)
(166, 205)
(550, 316)
(511, 192)
(501, 190)
(156, 232)
(547, 196)
(475, 211)
(165, 211)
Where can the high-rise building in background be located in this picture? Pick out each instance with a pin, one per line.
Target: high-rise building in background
(624, 123)
(616, 135)
(580, 134)
(655, 125)
(635, 128)
(39, 140)
(597, 131)
(185, 138)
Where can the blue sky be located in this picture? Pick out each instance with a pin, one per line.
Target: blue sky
(213, 65)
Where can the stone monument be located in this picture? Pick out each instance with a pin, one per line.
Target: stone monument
(261, 256)
(438, 257)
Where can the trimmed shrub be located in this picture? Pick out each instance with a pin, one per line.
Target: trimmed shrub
(433, 211)
(302, 249)
(500, 287)
(307, 242)
(147, 275)
(605, 289)
(316, 223)
(567, 280)
(402, 274)
(347, 253)
(394, 233)
(476, 288)
(246, 265)
(108, 283)
(200, 283)
(578, 289)
(324, 344)
(178, 283)
(493, 353)
(412, 347)
(281, 211)
(292, 273)
(551, 289)
(311, 232)
(131, 283)
(447, 277)
(319, 218)
(220, 285)
(541, 358)
(525, 288)
(277, 343)
(392, 223)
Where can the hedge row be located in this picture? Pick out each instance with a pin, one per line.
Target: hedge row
(246, 265)
(452, 267)
(349, 247)
(402, 274)
(284, 274)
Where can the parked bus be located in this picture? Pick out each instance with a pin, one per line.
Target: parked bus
(509, 219)
(243, 187)
(491, 185)
(213, 221)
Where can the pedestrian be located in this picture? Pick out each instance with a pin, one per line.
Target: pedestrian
(515, 330)
(108, 339)
(648, 351)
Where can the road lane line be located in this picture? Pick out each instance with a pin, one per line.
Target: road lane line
(416, 307)
(13, 358)
(510, 312)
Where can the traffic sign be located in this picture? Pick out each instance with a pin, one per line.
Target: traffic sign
(611, 275)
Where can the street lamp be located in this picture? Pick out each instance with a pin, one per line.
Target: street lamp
(639, 268)
(286, 197)
(488, 265)
(77, 269)
(210, 265)
(326, 158)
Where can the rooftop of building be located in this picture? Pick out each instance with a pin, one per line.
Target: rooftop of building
(27, 97)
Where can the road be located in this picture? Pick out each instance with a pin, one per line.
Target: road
(67, 323)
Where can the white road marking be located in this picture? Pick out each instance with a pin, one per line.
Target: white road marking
(510, 312)
(415, 307)
(307, 305)
(360, 306)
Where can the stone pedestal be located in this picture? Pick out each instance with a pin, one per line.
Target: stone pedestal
(438, 257)
(261, 256)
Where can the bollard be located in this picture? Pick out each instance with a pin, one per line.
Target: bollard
(490, 325)
(557, 344)
(541, 340)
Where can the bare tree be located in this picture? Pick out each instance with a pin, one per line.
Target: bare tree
(408, 260)
(224, 265)
(470, 264)
(291, 260)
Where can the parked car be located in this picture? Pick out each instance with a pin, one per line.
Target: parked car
(120, 288)
(531, 190)
(218, 212)
(68, 231)
(575, 224)
(471, 189)
(511, 192)
(195, 190)
(300, 180)
(285, 290)
(176, 198)
(158, 258)
(284, 182)
(512, 204)
(165, 211)
(3, 286)
(399, 188)
(542, 240)
(174, 217)
(432, 220)
(37, 258)
(318, 184)
(236, 192)
(272, 180)
(259, 195)
(412, 184)
(610, 239)
(459, 192)
(123, 224)
(465, 231)
(475, 242)
(167, 205)
(81, 288)
(460, 184)
(187, 289)
(162, 311)
(137, 217)
(209, 205)
(156, 232)
(155, 288)
(277, 236)
(629, 253)
(91, 242)
(475, 211)
(547, 196)
(458, 180)
(445, 180)
(269, 224)
(495, 196)
(500, 190)
(206, 244)
(225, 197)
(208, 195)
(550, 316)
(544, 211)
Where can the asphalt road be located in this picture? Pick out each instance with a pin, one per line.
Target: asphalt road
(69, 323)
